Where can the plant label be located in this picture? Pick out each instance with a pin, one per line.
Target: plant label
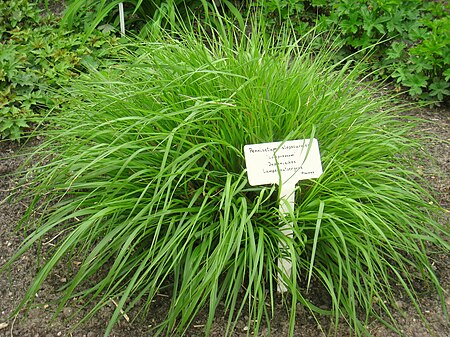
(283, 163)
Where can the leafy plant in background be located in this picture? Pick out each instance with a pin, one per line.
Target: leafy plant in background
(144, 173)
(411, 33)
(410, 37)
(35, 58)
(142, 17)
(431, 58)
(92, 13)
(19, 95)
(139, 13)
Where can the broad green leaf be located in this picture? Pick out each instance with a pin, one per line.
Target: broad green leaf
(440, 89)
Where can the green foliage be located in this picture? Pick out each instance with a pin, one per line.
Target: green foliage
(138, 13)
(144, 174)
(16, 14)
(143, 17)
(35, 56)
(410, 37)
(19, 85)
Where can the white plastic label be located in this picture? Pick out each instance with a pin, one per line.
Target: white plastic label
(285, 162)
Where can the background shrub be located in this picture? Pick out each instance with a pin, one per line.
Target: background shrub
(36, 58)
(410, 37)
(407, 40)
(142, 16)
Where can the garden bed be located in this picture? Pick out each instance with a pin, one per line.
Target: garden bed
(38, 321)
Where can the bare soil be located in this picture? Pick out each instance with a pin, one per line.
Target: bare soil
(38, 322)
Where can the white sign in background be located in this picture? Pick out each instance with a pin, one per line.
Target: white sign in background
(283, 163)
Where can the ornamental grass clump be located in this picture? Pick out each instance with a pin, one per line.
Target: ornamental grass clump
(144, 175)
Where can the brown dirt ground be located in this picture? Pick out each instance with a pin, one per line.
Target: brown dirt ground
(38, 322)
